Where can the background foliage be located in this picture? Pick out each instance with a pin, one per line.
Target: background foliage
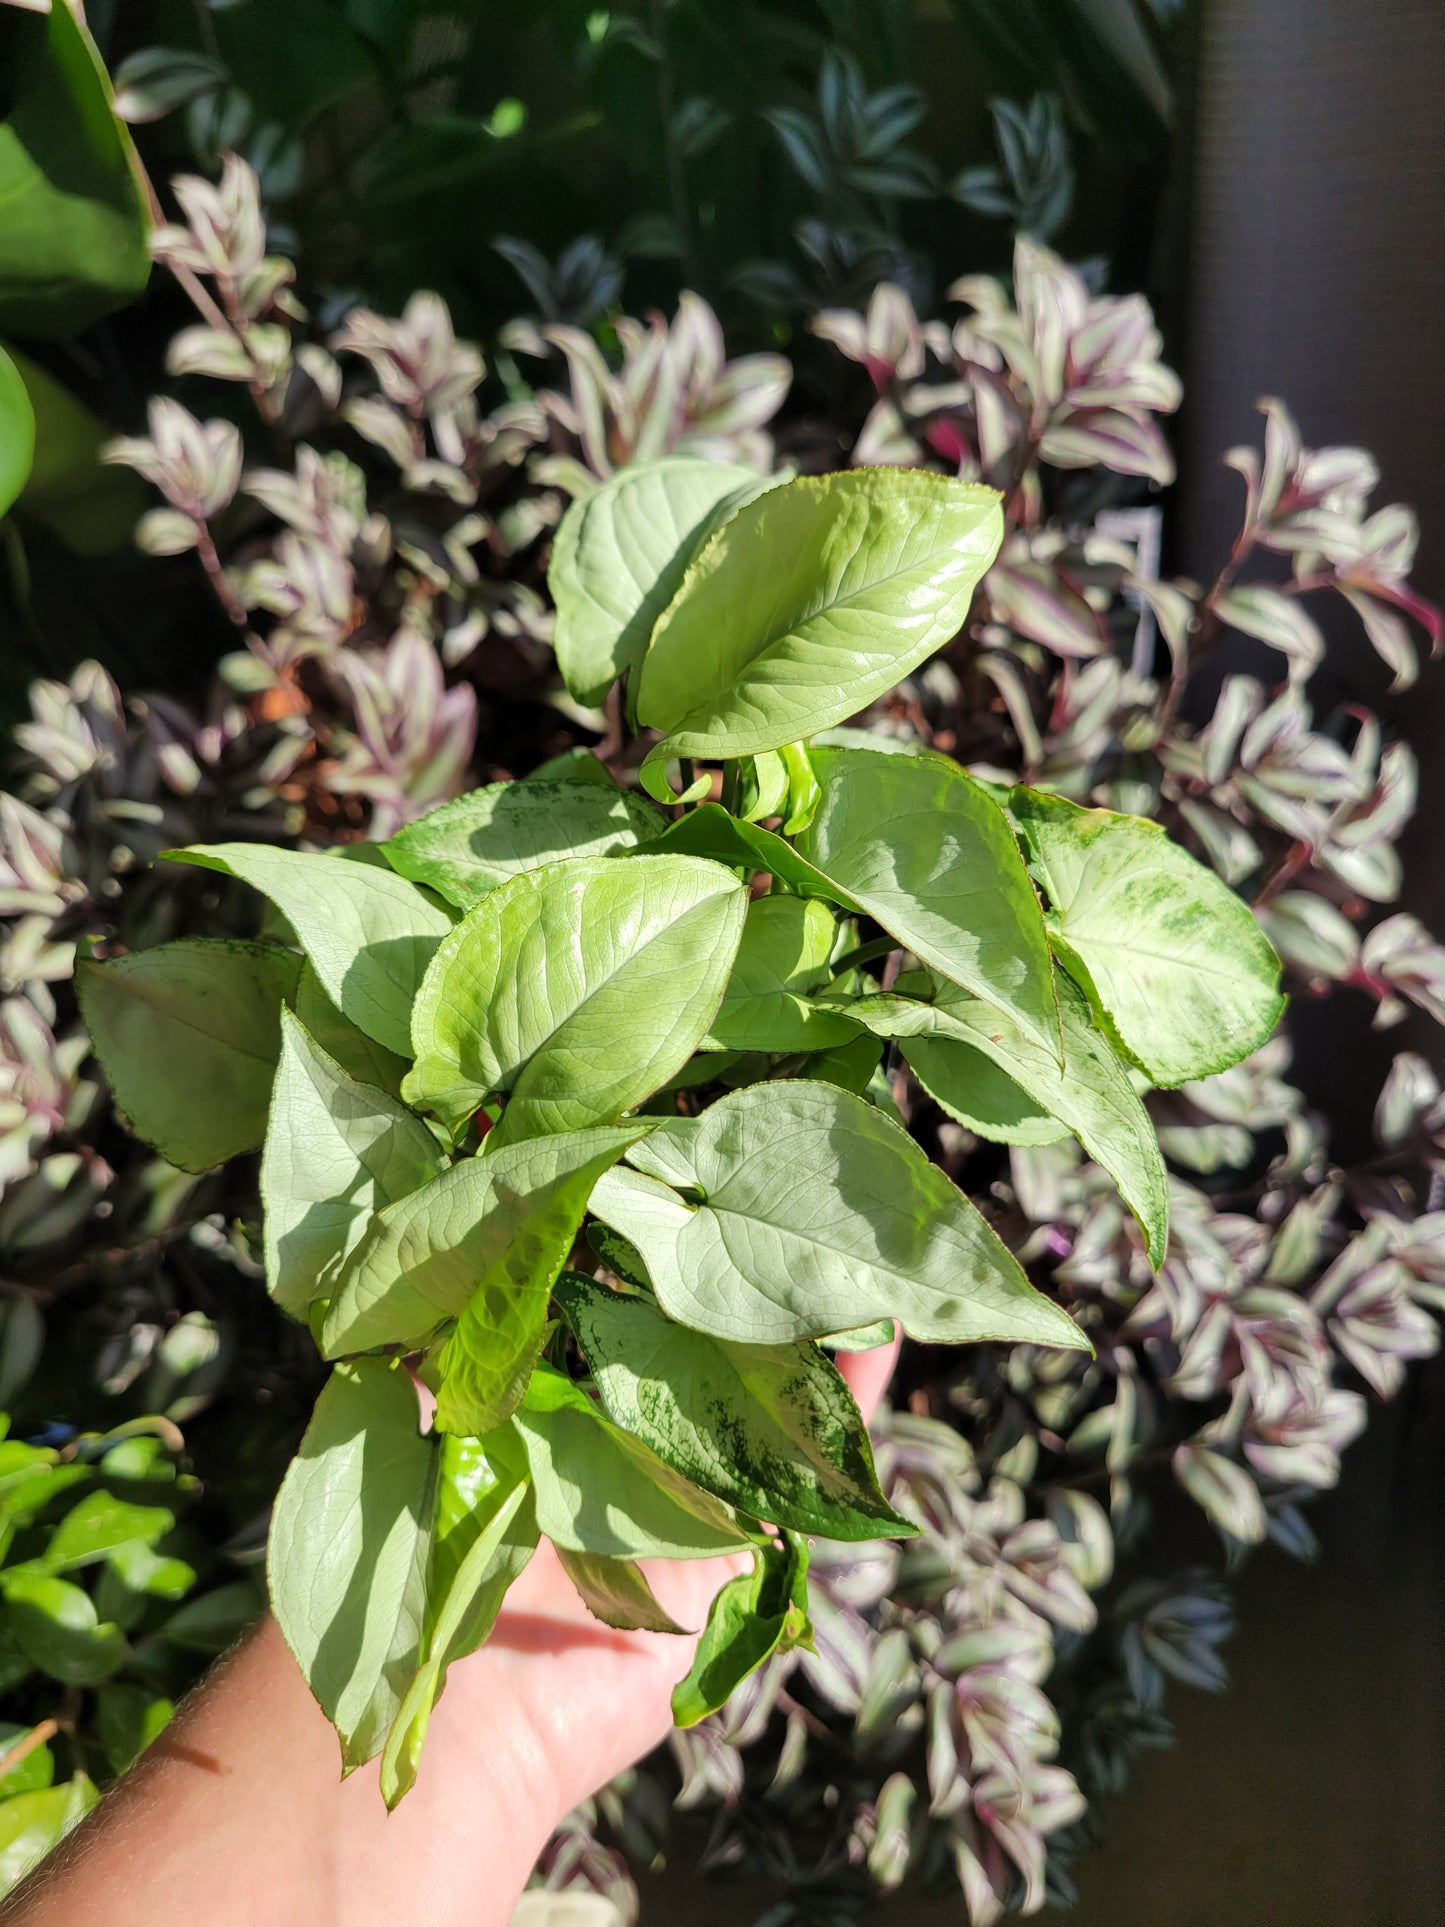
(339, 584)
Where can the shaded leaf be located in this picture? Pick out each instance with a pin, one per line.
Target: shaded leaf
(336, 1152)
(753, 1616)
(466, 848)
(616, 1592)
(188, 1036)
(368, 933)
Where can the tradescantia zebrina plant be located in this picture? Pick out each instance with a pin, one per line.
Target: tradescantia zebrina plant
(578, 1108)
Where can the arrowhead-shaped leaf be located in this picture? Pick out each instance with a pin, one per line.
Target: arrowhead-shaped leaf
(620, 554)
(960, 1048)
(466, 848)
(599, 1490)
(336, 1152)
(755, 1615)
(368, 932)
(817, 1215)
(188, 1036)
(577, 990)
(481, 1243)
(927, 852)
(784, 953)
(772, 1429)
(1172, 962)
(811, 601)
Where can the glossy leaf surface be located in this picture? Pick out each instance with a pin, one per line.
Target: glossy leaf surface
(620, 554)
(755, 1615)
(928, 853)
(809, 602)
(577, 990)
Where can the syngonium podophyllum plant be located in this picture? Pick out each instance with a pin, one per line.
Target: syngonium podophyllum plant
(549, 1009)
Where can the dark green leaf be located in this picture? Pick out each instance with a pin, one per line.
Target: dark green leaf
(56, 1626)
(188, 1036)
(709, 831)
(771, 1429)
(75, 238)
(17, 432)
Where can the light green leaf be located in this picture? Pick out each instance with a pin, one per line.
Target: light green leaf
(98, 1524)
(483, 1243)
(350, 1542)
(620, 553)
(709, 831)
(468, 847)
(368, 932)
(929, 854)
(955, 1041)
(463, 1608)
(188, 1035)
(600, 1490)
(358, 1055)
(771, 1429)
(35, 1770)
(32, 1824)
(616, 1592)
(577, 990)
(784, 953)
(574, 765)
(810, 602)
(336, 1152)
(75, 237)
(1174, 965)
(818, 1215)
(56, 1626)
(17, 432)
(754, 1616)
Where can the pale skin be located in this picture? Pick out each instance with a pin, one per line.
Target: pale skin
(237, 1815)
